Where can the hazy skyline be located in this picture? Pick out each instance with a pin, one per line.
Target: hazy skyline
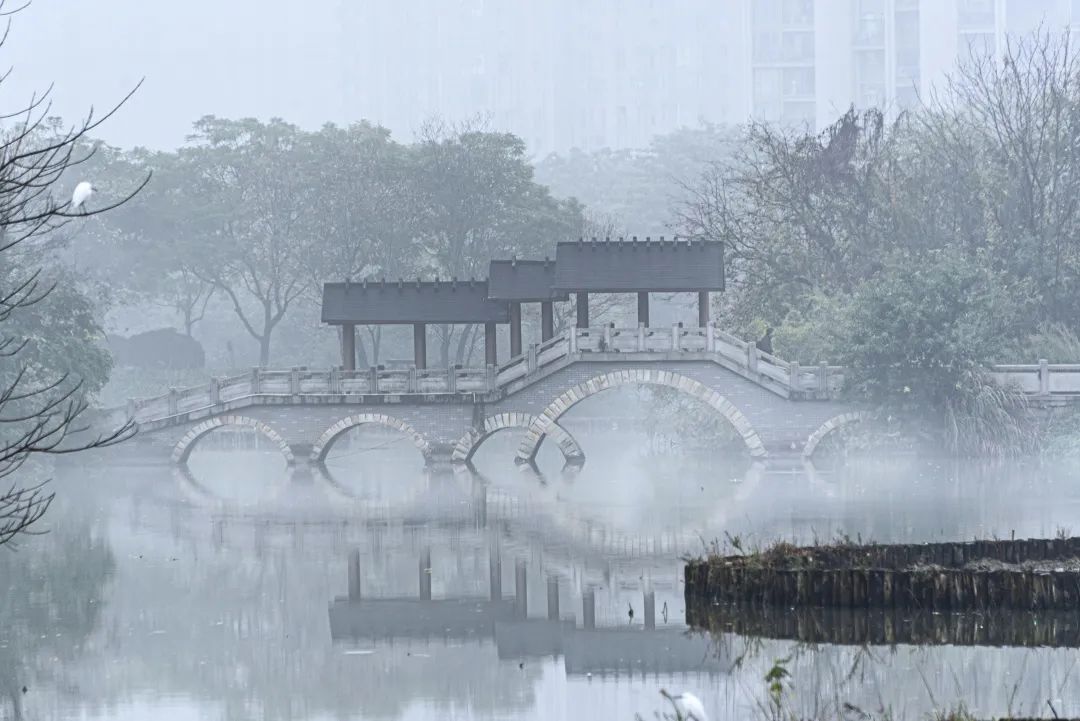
(559, 74)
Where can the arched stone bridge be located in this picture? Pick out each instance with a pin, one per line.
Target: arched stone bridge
(774, 406)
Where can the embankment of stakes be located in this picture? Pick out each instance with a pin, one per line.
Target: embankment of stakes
(1033, 574)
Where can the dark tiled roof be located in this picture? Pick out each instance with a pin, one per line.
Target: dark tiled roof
(393, 302)
(523, 280)
(627, 266)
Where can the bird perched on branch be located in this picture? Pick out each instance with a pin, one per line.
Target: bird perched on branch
(82, 193)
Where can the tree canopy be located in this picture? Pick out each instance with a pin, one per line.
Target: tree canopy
(916, 251)
(261, 214)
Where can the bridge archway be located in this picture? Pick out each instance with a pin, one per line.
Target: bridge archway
(184, 447)
(331, 434)
(470, 443)
(549, 417)
(834, 423)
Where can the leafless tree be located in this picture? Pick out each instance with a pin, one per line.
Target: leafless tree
(1014, 119)
(39, 416)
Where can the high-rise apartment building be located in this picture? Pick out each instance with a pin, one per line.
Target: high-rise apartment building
(594, 73)
(559, 73)
(784, 60)
(812, 59)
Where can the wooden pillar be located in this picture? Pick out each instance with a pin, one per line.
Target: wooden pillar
(419, 339)
(491, 350)
(515, 330)
(643, 309)
(354, 575)
(553, 599)
(348, 346)
(582, 310)
(547, 320)
(495, 574)
(521, 591)
(588, 610)
(703, 309)
(425, 575)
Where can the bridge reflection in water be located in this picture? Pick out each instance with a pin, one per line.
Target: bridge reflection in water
(586, 649)
(416, 595)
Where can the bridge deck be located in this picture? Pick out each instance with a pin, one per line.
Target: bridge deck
(774, 405)
(464, 385)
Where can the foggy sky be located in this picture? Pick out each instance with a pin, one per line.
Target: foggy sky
(559, 73)
(230, 58)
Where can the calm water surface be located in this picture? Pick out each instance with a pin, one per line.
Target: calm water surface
(241, 590)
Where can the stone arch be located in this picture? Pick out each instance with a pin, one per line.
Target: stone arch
(844, 419)
(182, 450)
(326, 440)
(542, 424)
(467, 446)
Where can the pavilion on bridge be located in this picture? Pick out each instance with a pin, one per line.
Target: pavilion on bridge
(580, 267)
(525, 281)
(416, 303)
(606, 266)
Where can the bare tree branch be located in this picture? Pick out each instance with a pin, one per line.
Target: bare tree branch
(41, 411)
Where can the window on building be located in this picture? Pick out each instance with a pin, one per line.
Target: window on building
(906, 35)
(870, 66)
(767, 47)
(797, 46)
(906, 45)
(776, 14)
(797, 82)
(768, 84)
(870, 78)
(768, 93)
(783, 30)
(976, 14)
(797, 13)
(766, 13)
(870, 23)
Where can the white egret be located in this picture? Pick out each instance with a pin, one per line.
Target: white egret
(690, 707)
(82, 193)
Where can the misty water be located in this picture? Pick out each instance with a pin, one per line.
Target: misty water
(224, 591)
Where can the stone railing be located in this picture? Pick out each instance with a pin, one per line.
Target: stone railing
(669, 343)
(536, 358)
(673, 343)
(1041, 380)
(1052, 382)
(304, 382)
